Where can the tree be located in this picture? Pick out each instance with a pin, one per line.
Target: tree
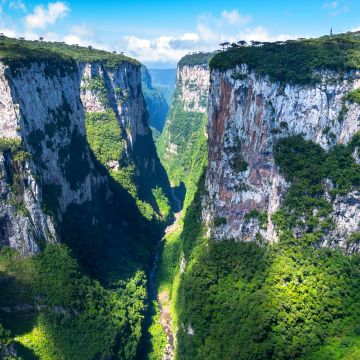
(224, 45)
(242, 42)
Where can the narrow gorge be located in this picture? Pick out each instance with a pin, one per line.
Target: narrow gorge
(235, 236)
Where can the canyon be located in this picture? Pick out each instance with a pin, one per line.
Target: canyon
(236, 236)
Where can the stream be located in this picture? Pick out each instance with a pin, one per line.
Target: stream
(163, 298)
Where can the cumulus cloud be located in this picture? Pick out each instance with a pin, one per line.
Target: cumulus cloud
(8, 32)
(42, 17)
(210, 31)
(234, 18)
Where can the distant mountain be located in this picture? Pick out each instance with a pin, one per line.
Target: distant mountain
(163, 77)
(157, 97)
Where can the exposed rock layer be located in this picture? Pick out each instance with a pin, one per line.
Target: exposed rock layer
(246, 117)
(44, 108)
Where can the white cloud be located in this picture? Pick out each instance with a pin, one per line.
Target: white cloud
(211, 30)
(169, 49)
(8, 32)
(42, 17)
(234, 18)
(74, 39)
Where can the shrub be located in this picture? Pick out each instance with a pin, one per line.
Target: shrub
(354, 96)
(262, 217)
(97, 86)
(238, 164)
(218, 221)
(7, 144)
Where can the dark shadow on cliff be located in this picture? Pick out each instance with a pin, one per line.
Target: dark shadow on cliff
(109, 235)
(151, 173)
(193, 228)
(24, 352)
(179, 193)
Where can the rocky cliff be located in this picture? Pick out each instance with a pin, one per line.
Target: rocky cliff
(249, 112)
(45, 162)
(186, 117)
(119, 90)
(43, 114)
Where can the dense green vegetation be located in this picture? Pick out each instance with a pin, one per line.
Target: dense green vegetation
(354, 96)
(74, 317)
(7, 144)
(290, 300)
(201, 58)
(18, 53)
(104, 136)
(173, 246)
(108, 145)
(282, 302)
(184, 129)
(306, 165)
(295, 61)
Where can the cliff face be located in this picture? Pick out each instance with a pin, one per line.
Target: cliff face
(248, 114)
(193, 82)
(120, 90)
(185, 119)
(45, 162)
(45, 113)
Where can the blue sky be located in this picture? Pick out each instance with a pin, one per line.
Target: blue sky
(158, 33)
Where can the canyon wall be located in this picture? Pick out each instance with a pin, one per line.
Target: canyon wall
(248, 114)
(186, 117)
(45, 161)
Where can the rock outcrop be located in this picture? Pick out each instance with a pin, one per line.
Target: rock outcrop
(246, 117)
(185, 118)
(248, 113)
(43, 109)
